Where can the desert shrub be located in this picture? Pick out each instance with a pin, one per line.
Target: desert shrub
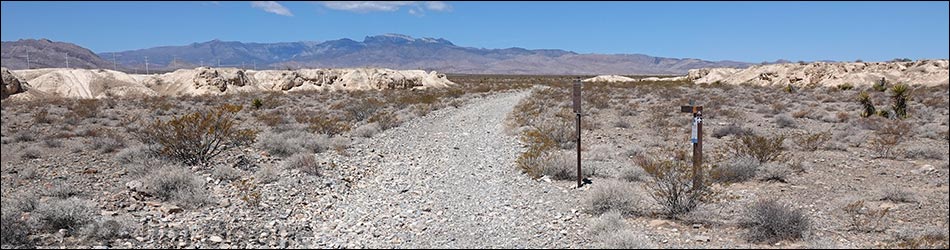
(106, 230)
(626, 239)
(178, 185)
(20, 202)
(735, 170)
(562, 165)
(227, 173)
(249, 191)
(327, 125)
(107, 143)
(42, 117)
(764, 149)
(774, 172)
(632, 174)
(198, 137)
(621, 123)
(137, 153)
(63, 190)
(386, 120)
(867, 104)
(305, 162)
(899, 94)
(866, 219)
(845, 86)
(672, 185)
(70, 214)
(784, 121)
(888, 137)
(608, 222)
(923, 239)
(366, 131)
(271, 118)
(898, 195)
(362, 109)
(531, 159)
(731, 129)
(84, 108)
(24, 136)
(267, 174)
(31, 152)
(811, 142)
(770, 221)
(613, 196)
(52, 143)
(291, 142)
(13, 230)
(924, 153)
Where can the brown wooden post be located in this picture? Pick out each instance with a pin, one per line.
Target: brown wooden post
(698, 148)
(577, 113)
(697, 141)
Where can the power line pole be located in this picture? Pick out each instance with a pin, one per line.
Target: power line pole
(28, 60)
(146, 65)
(255, 65)
(113, 62)
(219, 63)
(67, 60)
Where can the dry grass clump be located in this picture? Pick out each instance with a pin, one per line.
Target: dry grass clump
(770, 221)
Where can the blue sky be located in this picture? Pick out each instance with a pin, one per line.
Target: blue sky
(740, 31)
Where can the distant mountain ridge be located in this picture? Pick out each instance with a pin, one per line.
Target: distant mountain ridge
(393, 51)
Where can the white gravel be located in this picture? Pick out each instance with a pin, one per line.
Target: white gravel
(448, 180)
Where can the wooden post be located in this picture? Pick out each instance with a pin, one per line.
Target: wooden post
(696, 138)
(577, 113)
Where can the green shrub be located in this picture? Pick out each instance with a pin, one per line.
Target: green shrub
(845, 86)
(196, 138)
(257, 103)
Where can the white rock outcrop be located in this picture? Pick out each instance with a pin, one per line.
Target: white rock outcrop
(924, 72)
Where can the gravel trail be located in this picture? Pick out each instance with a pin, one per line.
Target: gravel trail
(448, 180)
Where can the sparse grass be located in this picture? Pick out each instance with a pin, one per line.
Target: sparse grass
(770, 221)
(177, 185)
(614, 196)
(326, 124)
(608, 222)
(268, 174)
(63, 190)
(305, 162)
(195, 139)
(627, 239)
(764, 149)
(632, 174)
(562, 165)
(108, 143)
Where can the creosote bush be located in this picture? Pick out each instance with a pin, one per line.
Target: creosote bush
(671, 184)
(764, 149)
(197, 138)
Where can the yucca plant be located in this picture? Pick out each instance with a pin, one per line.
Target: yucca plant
(899, 94)
(865, 99)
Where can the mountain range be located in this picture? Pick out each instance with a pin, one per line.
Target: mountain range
(393, 51)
